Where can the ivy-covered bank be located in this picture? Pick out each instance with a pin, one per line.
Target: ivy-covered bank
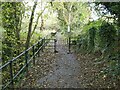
(95, 26)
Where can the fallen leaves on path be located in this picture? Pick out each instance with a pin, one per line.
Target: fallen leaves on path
(43, 65)
(90, 74)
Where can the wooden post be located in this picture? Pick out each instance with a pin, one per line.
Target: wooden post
(69, 45)
(55, 51)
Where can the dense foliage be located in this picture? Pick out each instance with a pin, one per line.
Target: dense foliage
(103, 41)
(100, 37)
(11, 21)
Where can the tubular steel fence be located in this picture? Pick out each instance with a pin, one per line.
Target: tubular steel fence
(9, 72)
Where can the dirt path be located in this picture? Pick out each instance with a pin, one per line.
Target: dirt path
(65, 70)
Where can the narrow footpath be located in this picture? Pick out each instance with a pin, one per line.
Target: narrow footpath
(54, 70)
(65, 70)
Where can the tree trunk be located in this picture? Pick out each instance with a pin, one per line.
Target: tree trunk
(18, 21)
(41, 27)
(30, 26)
(69, 18)
(37, 22)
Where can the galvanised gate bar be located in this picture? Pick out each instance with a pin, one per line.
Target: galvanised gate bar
(27, 57)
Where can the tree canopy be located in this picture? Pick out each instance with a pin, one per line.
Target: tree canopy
(94, 26)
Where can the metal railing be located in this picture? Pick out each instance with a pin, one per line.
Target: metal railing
(25, 57)
(71, 41)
